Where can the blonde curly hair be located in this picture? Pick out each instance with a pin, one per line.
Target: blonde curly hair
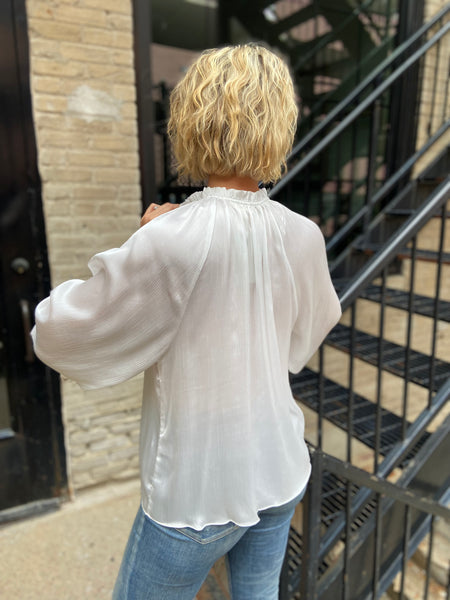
(233, 113)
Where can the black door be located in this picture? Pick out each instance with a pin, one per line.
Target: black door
(32, 459)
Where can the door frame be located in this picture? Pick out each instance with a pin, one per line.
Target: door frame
(32, 450)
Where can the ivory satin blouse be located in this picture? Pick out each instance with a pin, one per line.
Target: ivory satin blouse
(215, 301)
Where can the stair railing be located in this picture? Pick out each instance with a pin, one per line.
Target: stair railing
(377, 268)
(333, 117)
(363, 505)
(371, 554)
(365, 213)
(364, 101)
(334, 34)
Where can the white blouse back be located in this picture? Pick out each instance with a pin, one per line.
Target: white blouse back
(215, 301)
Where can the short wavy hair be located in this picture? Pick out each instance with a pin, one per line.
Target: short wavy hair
(234, 113)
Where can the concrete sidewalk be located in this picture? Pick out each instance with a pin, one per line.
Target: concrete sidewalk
(75, 552)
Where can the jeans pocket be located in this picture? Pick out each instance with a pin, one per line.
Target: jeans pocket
(210, 533)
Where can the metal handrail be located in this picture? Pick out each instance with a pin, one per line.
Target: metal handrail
(329, 96)
(390, 461)
(375, 483)
(333, 34)
(351, 224)
(369, 80)
(396, 242)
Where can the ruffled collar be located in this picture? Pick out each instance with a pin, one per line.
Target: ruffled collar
(221, 193)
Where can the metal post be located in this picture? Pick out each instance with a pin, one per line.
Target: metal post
(145, 109)
(311, 530)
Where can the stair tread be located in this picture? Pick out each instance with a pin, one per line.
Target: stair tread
(305, 387)
(421, 254)
(407, 212)
(422, 305)
(394, 356)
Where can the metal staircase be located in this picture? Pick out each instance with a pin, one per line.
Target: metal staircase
(349, 518)
(377, 379)
(327, 42)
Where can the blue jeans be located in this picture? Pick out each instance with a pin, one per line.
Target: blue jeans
(165, 563)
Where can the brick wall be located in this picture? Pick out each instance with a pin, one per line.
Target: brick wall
(434, 102)
(83, 89)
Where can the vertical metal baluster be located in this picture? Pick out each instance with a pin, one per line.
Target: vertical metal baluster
(320, 411)
(430, 552)
(348, 500)
(373, 141)
(377, 553)
(435, 80)
(408, 337)
(311, 530)
(388, 19)
(337, 199)
(352, 208)
(348, 531)
(445, 105)
(378, 421)
(320, 199)
(436, 303)
(307, 186)
(406, 538)
(351, 393)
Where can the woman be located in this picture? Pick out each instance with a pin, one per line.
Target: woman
(214, 301)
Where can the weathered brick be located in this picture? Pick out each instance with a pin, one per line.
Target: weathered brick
(123, 57)
(45, 66)
(127, 452)
(92, 159)
(127, 128)
(120, 22)
(126, 93)
(96, 36)
(85, 53)
(93, 192)
(109, 442)
(129, 111)
(78, 14)
(88, 463)
(45, 48)
(39, 9)
(128, 473)
(51, 156)
(67, 174)
(48, 85)
(90, 127)
(114, 73)
(114, 142)
(94, 434)
(124, 39)
(62, 138)
(50, 103)
(58, 225)
(129, 159)
(129, 192)
(118, 6)
(116, 175)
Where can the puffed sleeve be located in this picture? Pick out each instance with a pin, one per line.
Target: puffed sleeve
(318, 306)
(116, 324)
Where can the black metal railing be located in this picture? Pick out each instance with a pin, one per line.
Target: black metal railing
(375, 550)
(383, 392)
(336, 170)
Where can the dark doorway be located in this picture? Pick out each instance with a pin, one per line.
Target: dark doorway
(32, 458)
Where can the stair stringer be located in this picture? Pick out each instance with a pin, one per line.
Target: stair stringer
(423, 475)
